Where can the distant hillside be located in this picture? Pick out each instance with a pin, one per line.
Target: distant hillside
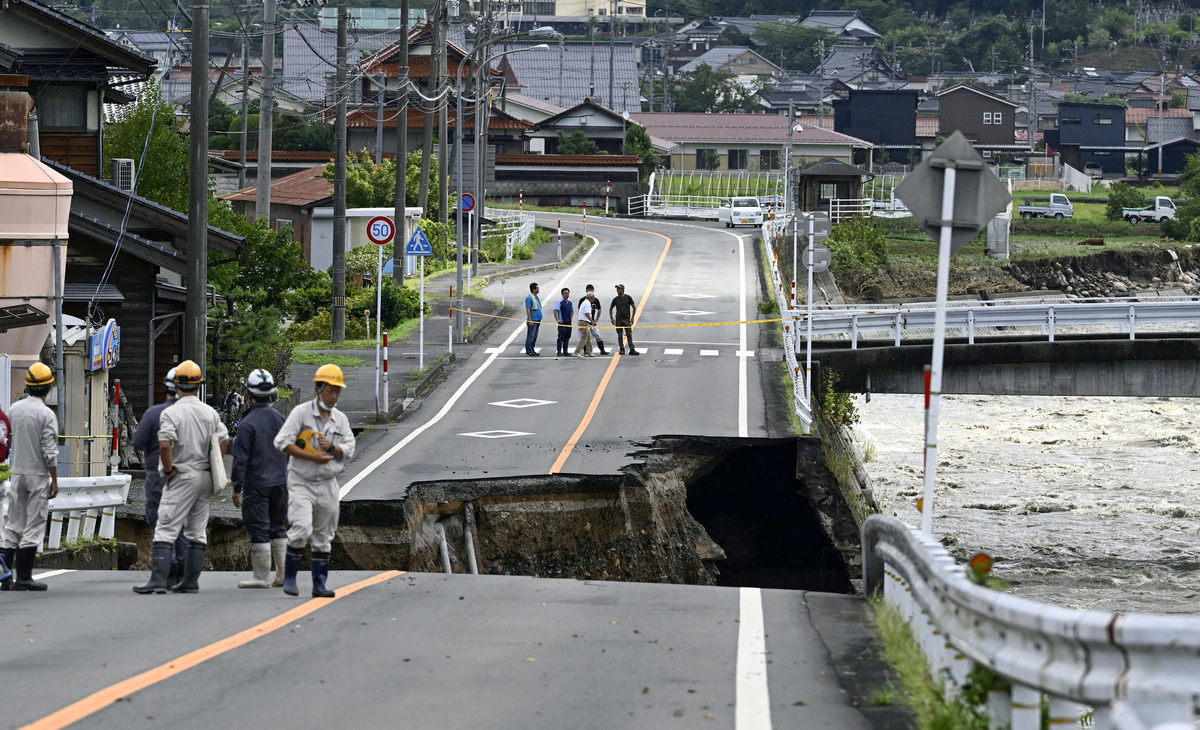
(1132, 58)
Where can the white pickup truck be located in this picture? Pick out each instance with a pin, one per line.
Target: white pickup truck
(1162, 209)
(740, 212)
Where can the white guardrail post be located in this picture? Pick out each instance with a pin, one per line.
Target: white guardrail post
(1137, 671)
(770, 230)
(80, 501)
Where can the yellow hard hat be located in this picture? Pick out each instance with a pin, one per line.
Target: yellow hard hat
(39, 375)
(330, 374)
(188, 373)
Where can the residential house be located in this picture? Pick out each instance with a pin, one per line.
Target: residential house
(805, 92)
(599, 124)
(697, 37)
(886, 119)
(307, 49)
(987, 120)
(857, 66)
(166, 48)
(753, 142)
(1171, 156)
(293, 199)
(745, 64)
(1142, 124)
(1091, 133)
(847, 25)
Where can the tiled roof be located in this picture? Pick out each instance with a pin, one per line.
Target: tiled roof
(749, 128)
(81, 35)
(716, 58)
(533, 103)
(369, 117)
(298, 189)
(543, 73)
(633, 160)
(306, 48)
(927, 125)
(1139, 115)
(1167, 128)
(817, 120)
(849, 62)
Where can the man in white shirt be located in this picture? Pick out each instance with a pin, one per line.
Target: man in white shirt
(587, 320)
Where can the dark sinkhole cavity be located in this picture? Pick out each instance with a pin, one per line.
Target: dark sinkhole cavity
(755, 508)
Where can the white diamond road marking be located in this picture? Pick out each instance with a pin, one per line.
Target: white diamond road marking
(672, 351)
(695, 296)
(496, 434)
(709, 353)
(521, 403)
(745, 353)
(690, 312)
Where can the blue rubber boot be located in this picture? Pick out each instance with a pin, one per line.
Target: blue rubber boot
(320, 571)
(291, 565)
(5, 571)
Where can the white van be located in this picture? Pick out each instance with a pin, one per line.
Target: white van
(740, 212)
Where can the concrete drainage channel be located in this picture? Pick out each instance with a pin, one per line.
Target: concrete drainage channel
(696, 510)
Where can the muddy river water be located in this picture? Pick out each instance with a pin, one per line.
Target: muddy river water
(1084, 502)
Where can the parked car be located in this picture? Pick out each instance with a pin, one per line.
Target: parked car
(1162, 209)
(1093, 170)
(1058, 208)
(740, 212)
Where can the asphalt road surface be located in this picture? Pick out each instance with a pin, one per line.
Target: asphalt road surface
(505, 414)
(420, 650)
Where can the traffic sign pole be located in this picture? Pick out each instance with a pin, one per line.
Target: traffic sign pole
(421, 356)
(378, 329)
(560, 240)
(811, 264)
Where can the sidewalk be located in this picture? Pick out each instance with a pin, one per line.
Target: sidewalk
(406, 378)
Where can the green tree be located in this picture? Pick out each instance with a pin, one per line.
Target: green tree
(1122, 195)
(800, 46)
(1116, 21)
(149, 135)
(637, 142)
(708, 90)
(575, 143)
(374, 186)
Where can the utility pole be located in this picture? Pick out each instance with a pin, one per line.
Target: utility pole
(431, 92)
(787, 162)
(1162, 87)
(245, 112)
(483, 87)
(592, 77)
(379, 121)
(196, 307)
(612, 51)
(338, 332)
(443, 127)
(401, 149)
(821, 86)
(266, 111)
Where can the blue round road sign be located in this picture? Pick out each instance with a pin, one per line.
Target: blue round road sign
(467, 202)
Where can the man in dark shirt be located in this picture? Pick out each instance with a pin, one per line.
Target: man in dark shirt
(621, 313)
(145, 440)
(260, 472)
(564, 313)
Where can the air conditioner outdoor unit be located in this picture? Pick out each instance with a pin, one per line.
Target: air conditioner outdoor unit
(122, 173)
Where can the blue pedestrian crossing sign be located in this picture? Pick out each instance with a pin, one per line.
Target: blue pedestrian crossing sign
(418, 244)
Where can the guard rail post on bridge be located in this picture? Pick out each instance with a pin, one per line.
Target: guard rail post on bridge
(800, 401)
(1137, 671)
(81, 502)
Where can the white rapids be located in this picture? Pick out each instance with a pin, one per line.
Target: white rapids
(1083, 502)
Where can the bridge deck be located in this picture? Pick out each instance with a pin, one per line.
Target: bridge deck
(427, 650)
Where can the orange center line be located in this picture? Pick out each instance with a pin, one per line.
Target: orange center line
(612, 366)
(97, 701)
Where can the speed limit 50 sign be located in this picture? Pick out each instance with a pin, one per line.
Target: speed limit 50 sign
(380, 230)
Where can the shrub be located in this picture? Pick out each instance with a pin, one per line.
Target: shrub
(858, 244)
(838, 407)
(304, 303)
(522, 252)
(320, 327)
(1122, 195)
(399, 303)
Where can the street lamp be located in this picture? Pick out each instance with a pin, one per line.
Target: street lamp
(479, 100)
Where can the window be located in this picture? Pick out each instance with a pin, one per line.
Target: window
(739, 159)
(987, 117)
(633, 11)
(538, 7)
(62, 106)
(996, 117)
(707, 160)
(828, 191)
(282, 224)
(769, 160)
(1102, 120)
(1101, 154)
(1069, 120)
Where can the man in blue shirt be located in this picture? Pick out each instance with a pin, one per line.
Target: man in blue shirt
(533, 319)
(564, 314)
(260, 482)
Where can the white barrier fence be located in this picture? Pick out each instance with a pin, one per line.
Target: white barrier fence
(1137, 671)
(1122, 315)
(516, 227)
(772, 230)
(82, 502)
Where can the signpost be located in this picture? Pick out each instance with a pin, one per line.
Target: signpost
(380, 231)
(952, 194)
(418, 245)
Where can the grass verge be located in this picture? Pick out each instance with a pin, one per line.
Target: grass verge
(322, 358)
(327, 345)
(925, 697)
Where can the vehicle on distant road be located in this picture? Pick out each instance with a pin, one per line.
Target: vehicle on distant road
(1093, 170)
(740, 212)
(1162, 209)
(1058, 208)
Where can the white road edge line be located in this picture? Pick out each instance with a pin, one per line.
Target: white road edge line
(743, 420)
(462, 389)
(52, 573)
(752, 702)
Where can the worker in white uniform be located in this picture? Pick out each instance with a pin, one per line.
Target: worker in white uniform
(185, 434)
(34, 481)
(317, 437)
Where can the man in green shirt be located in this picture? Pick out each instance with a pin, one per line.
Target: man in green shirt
(621, 312)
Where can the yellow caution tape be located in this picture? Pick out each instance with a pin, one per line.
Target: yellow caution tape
(608, 327)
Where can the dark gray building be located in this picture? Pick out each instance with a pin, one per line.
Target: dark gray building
(1092, 133)
(886, 118)
(985, 119)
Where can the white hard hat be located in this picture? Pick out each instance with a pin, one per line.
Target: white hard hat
(261, 383)
(169, 381)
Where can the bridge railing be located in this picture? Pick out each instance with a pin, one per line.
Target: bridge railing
(83, 503)
(772, 232)
(1123, 315)
(515, 226)
(1138, 671)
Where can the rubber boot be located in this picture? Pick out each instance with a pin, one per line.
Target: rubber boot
(320, 571)
(175, 574)
(160, 567)
(5, 571)
(9, 556)
(260, 561)
(291, 566)
(25, 581)
(600, 344)
(192, 569)
(278, 556)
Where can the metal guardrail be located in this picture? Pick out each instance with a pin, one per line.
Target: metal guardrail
(81, 502)
(516, 227)
(772, 230)
(1125, 315)
(843, 209)
(1138, 671)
